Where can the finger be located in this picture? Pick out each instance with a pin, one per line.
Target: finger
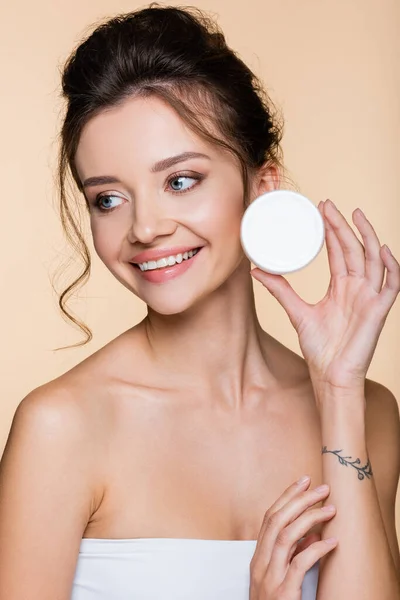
(288, 536)
(281, 289)
(303, 563)
(392, 283)
(304, 543)
(374, 266)
(352, 248)
(337, 263)
(281, 514)
(291, 492)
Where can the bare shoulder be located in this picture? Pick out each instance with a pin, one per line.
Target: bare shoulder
(83, 403)
(378, 396)
(57, 411)
(49, 406)
(53, 420)
(383, 430)
(49, 488)
(111, 362)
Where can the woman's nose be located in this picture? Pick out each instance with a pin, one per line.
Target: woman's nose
(148, 223)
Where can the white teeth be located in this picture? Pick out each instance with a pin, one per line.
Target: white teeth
(166, 261)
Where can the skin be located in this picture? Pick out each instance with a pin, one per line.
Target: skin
(166, 379)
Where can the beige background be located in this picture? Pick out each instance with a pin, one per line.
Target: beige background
(331, 65)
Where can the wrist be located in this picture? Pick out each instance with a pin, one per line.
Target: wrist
(325, 391)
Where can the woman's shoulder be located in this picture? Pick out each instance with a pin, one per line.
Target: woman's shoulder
(71, 415)
(57, 406)
(83, 387)
(104, 366)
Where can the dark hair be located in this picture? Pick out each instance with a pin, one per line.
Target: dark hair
(181, 56)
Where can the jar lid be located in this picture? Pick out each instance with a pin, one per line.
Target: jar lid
(282, 231)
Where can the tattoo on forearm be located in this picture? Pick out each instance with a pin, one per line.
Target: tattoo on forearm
(362, 472)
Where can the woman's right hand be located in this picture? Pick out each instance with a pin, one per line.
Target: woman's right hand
(279, 564)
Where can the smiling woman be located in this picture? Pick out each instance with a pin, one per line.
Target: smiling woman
(168, 463)
(171, 62)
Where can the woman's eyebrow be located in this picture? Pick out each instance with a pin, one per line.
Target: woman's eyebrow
(99, 180)
(156, 168)
(173, 160)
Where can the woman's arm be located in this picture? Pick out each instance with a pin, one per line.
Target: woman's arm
(365, 564)
(338, 337)
(46, 496)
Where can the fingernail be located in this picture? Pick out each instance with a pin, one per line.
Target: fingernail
(328, 508)
(388, 250)
(331, 541)
(303, 480)
(321, 488)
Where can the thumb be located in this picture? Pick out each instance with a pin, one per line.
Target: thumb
(281, 289)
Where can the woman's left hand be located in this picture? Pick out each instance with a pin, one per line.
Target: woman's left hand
(338, 336)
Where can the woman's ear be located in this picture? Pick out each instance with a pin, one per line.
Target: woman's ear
(267, 179)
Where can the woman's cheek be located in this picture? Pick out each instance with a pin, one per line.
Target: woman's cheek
(105, 244)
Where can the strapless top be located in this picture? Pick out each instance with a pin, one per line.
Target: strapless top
(169, 569)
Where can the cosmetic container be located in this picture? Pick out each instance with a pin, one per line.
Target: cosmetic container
(282, 231)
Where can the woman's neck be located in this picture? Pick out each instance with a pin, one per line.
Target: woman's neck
(217, 345)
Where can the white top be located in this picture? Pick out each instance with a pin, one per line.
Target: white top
(169, 569)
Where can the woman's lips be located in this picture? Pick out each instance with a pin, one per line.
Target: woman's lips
(164, 274)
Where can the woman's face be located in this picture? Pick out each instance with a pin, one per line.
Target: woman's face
(150, 202)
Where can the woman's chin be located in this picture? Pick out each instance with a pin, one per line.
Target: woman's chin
(173, 306)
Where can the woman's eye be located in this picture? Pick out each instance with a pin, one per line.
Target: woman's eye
(104, 203)
(180, 184)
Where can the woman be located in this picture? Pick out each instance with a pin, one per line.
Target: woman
(165, 464)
